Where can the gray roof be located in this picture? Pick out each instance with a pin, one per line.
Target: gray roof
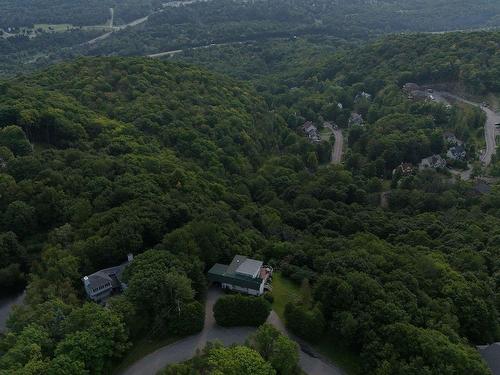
(108, 275)
(240, 272)
(237, 261)
(250, 267)
(491, 354)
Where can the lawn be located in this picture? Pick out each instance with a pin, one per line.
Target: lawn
(285, 291)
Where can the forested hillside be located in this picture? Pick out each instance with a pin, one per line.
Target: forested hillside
(172, 26)
(103, 157)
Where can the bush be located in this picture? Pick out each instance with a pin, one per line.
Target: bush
(190, 321)
(307, 324)
(238, 310)
(269, 297)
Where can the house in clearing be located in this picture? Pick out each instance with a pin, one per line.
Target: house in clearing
(102, 284)
(434, 161)
(243, 275)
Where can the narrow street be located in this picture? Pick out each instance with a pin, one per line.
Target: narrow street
(338, 146)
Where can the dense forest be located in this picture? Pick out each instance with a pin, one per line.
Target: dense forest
(26, 13)
(185, 168)
(200, 23)
(192, 159)
(225, 21)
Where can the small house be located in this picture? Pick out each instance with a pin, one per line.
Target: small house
(102, 284)
(410, 87)
(356, 119)
(311, 131)
(362, 96)
(434, 162)
(451, 139)
(457, 153)
(243, 275)
(405, 169)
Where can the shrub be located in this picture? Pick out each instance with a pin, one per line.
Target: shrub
(269, 297)
(307, 324)
(238, 310)
(190, 320)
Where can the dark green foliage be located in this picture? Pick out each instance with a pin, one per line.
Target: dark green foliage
(136, 154)
(190, 320)
(306, 323)
(238, 310)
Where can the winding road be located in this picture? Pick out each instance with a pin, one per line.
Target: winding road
(186, 348)
(338, 146)
(491, 130)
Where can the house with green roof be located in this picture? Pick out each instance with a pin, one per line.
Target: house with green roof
(243, 275)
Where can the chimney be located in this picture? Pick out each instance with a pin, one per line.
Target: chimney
(130, 257)
(86, 281)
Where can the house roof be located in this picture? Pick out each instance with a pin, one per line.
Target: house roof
(240, 272)
(491, 354)
(108, 275)
(250, 267)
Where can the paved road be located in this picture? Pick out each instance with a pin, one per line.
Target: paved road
(490, 127)
(338, 146)
(186, 348)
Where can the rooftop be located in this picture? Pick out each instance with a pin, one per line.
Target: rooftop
(242, 271)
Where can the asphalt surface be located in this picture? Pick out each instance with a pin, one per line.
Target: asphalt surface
(184, 349)
(338, 146)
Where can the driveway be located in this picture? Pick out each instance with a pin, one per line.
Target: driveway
(186, 348)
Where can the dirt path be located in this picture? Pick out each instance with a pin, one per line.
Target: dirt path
(186, 348)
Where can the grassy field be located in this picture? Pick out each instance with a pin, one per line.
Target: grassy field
(285, 291)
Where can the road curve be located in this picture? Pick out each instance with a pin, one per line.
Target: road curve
(490, 127)
(338, 146)
(186, 348)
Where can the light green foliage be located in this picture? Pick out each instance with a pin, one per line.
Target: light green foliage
(238, 360)
(15, 140)
(280, 351)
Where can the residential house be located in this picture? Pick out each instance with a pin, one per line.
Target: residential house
(362, 96)
(434, 161)
(451, 139)
(102, 284)
(356, 119)
(491, 355)
(457, 153)
(243, 275)
(406, 169)
(410, 87)
(311, 131)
